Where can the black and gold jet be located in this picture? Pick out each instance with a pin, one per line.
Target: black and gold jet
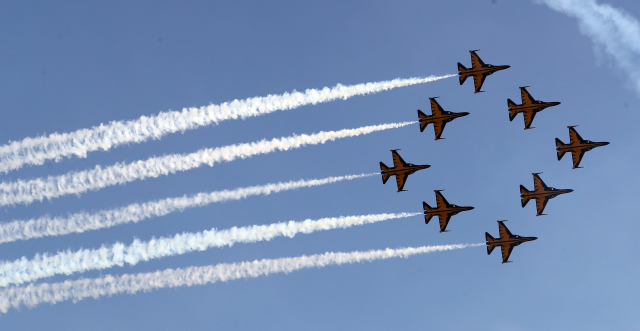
(444, 211)
(528, 108)
(507, 241)
(479, 70)
(542, 193)
(400, 169)
(577, 146)
(439, 117)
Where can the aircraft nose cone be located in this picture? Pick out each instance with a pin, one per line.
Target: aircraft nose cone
(533, 238)
(464, 114)
(569, 190)
(605, 143)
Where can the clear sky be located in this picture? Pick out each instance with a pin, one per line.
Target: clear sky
(71, 65)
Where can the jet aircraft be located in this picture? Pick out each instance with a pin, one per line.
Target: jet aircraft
(507, 241)
(439, 117)
(479, 70)
(528, 108)
(577, 146)
(444, 211)
(400, 169)
(542, 193)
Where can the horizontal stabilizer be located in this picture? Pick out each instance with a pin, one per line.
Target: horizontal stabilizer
(510, 103)
(512, 112)
(423, 125)
(427, 218)
(385, 177)
(524, 200)
(462, 78)
(461, 68)
(426, 206)
(490, 244)
(421, 115)
(559, 143)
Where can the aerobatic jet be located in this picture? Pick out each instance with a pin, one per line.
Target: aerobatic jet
(444, 211)
(400, 169)
(479, 70)
(507, 241)
(528, 108)
(577, 146)
(542, 193)
(439, 117)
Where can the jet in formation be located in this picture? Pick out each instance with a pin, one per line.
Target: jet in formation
(528, 108)
(507, 241)
(444, 211)
(479, 70)
(400, 169)
(542, 193)
(577, 146)
(439, 117)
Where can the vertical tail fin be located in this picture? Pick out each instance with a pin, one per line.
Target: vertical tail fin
(385, 177)
(461, 70)
(427, 216)
(559, 143)
(490, 244)
(512, 113)
(524, 200)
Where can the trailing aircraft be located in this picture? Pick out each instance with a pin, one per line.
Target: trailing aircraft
(542, 193)
(400, 169)
(439, 117)
(507, 241)
(479, 70)
(444, 211)
(577, 146)
(528, 108)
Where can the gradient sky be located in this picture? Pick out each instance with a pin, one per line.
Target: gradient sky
(71, 65)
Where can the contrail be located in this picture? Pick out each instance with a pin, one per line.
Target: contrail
(55, 146)
(76, 290)
(22, 191)
(611, 29)
(80, 222)
(67, 262)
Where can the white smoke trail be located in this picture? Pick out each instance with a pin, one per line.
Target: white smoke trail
(611, 29)
(80, 222)
(67, 262)
(55, 146)
(78, 182)
(35, 294)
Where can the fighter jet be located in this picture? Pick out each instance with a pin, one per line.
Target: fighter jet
(478, 70)
(542, 193)
(528, 108)
(444, 211)
(577, 146)
(507, 241)
(400, 169)
(439, 117)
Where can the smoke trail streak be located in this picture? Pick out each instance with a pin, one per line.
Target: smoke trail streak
(55, 146)
(35, 294)
(67, 262)
(80, 222)
(611, 29)
(78, 182)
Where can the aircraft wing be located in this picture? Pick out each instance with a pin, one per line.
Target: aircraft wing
(435, 108)
(540, 204)
(438, 127)
(528, 118)
(527, 99)
(478, 80)
(538, 184)
(476, 62)
(401, 179)
(506, 252)
(576, 156)
(574, 136)
(444, 221)
(397, 160)
(440, 200)
(503, 231)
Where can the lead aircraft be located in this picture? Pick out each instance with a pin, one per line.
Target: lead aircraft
(479, 70)
(400, 169)
(577, 146)
(507, 241)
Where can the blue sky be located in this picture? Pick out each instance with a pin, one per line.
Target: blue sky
(67, 66)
